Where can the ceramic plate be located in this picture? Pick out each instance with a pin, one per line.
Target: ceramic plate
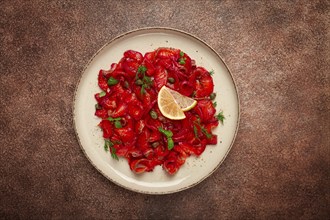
(89, 134)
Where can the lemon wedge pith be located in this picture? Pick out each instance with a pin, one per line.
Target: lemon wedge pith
(186, 103)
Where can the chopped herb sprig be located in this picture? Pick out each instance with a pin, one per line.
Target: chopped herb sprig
(220, 117)
(116, 121)
(197, 124)
(102, 94)
(168, 134)
(142, 80)
(112, 81)
(109, 145)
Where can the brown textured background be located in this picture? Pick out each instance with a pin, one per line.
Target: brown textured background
(278, 52)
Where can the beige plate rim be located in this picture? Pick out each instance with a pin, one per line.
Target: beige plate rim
(151, 30)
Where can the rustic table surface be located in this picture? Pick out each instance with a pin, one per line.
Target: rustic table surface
(278, 53)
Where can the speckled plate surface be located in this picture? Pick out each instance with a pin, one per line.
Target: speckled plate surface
(89, 134)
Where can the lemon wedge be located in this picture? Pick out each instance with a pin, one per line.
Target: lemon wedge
(172, 104)
(186, 103)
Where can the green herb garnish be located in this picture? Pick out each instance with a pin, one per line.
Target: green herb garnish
(196, 131)
(211, 72)
(114, 119)
(98, 107)
(117, 142)
(214, 104)
(101, 94)
(203, 129)
(142, 80)
(113, 153)
(112, 81)
(213, 95)
(108, 144)
(207, 134)
(220, 117)
(142, 69)
(168, 134)
(143, 91)
(181, 53)
(118, 124)
(147, 80)
(170, 143)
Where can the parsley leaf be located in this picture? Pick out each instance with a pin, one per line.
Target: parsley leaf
(221, 117)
